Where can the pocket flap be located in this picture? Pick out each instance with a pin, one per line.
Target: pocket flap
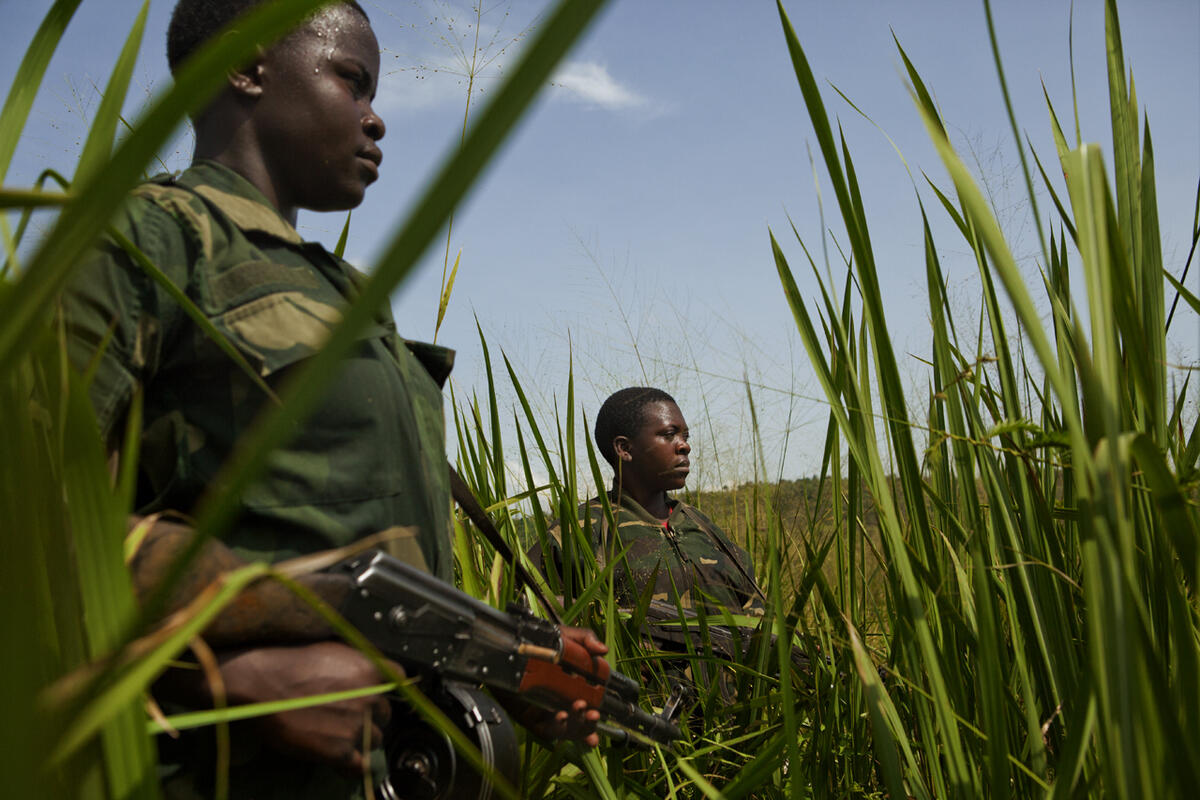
(284, 327)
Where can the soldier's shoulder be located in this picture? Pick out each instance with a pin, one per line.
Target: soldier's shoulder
(699, 517)
(591, 511)
(707, 529)
(162, 210)
(164, 193)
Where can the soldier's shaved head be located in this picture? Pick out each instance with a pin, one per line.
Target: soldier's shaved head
(194, 22)
(622, 415)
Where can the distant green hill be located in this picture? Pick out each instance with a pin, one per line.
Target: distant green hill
(803, 509)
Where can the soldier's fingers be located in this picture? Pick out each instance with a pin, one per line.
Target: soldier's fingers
(586, 637)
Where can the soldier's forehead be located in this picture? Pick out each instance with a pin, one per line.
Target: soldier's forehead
(659, 410)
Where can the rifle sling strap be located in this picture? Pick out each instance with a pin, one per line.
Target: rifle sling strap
(723, 547)
(463, 496)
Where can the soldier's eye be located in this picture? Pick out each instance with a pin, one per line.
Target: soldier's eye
(358, 80)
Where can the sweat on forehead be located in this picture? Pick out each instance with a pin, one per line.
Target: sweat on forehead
(194, 22)
(622, 415)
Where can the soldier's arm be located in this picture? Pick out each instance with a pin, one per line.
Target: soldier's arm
(266, 611)
(117, 319)
(269, 646)
(114, 314)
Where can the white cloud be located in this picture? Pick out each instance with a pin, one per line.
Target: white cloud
(589, 82)
(435, 85)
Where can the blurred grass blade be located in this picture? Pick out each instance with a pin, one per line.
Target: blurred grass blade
(105, 585)
(32, 198)
(340, 249)
(993, 240)
(98, 147)
(444, 298)
(903, 780)
(1170, 499)
(201, 719)
(147, 659)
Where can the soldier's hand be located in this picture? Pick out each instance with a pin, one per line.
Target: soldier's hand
(579, 721)
(578, 724)
(585, 637)
(332, 733)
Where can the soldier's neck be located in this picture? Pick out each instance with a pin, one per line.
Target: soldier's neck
(246, 160)
(655, 501)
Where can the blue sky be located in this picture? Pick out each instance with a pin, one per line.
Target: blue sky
(626, 222)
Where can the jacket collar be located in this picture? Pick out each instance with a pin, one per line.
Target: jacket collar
(237, 199)
(619, 498)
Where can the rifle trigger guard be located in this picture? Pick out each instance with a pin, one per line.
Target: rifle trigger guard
(680, 693)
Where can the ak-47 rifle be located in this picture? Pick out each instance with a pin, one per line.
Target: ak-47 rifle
(455, 643)
(434, 629)
(672, 630)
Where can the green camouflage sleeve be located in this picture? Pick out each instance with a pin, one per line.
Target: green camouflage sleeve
(578, 559)
(114, 311)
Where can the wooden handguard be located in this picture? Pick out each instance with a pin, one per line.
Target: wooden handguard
(578, 675)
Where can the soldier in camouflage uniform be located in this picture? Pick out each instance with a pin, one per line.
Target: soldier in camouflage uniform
(293, 129)
(275, 298)
(658, 540)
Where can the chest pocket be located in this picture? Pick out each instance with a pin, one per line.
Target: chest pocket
(367, 458)
(341, 453)
(278, 315)
(357, 464)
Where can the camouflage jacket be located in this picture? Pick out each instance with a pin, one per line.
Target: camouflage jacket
(687, 557)
(371, 457)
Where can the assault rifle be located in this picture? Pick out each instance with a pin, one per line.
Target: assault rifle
(453, 642)
(670, 631)
(434, 629)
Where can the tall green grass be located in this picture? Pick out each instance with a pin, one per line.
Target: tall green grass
(997, 598)
(1041, 572)
(1035, 629)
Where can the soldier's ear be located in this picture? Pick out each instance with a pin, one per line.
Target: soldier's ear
(247, 81)
(622, 446)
